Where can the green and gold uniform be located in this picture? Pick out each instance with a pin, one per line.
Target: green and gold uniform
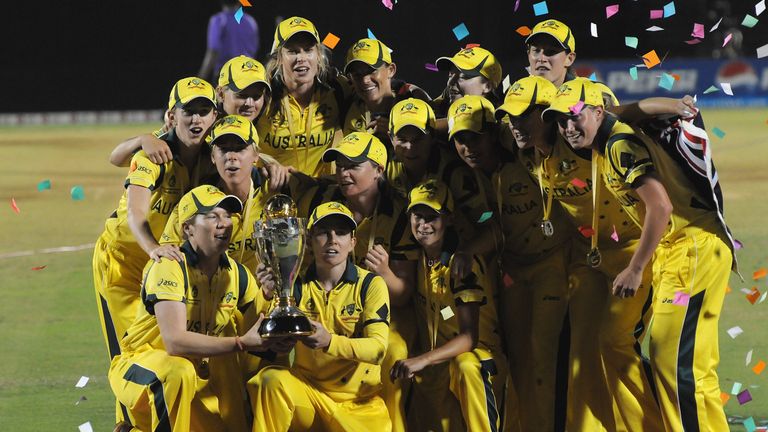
(336, 388)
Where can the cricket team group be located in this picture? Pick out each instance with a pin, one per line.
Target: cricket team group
(477, 261)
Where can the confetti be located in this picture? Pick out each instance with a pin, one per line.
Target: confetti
(593, 76)
(760, 7)
(717, 24)
(762, 51)
(733, 332)
(387, 4)
(446, 312)
(633, 72)
(760, 273)
(718, 132)
(586, 231)
(654, 29)
(759, 367)
(611, 10)
(669, 9)
(576, 109)
(540, 8)
(38, 268)
(615, 235)
(657, 13)
(485, 216)
(693, 41)
(430, 66)
(737, 244)
(630, 41)
(749, 21)
(753, 295)
(762, 297)
(468, 46)
(749, 424)
(85, 427)
(698, 31)
(77, 193)
(749, 358)
(593, 29)
(517, 5)
(505, 84)
(744, 397)
(245, 3)
(523, 30)
(651, 59)
(727, 88)
(14, 206)
(724, 397)
(681, 299)
(82, 399)
(727, 39)
(711, 89)
(508, 281)
(578, 183)
(666, 81)
(370, 35)
(239, 14)
(460, 31)
(331, 40)
(44, 185)
(736, 388)
(82, 382)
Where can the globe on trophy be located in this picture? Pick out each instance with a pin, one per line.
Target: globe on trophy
(280, 242)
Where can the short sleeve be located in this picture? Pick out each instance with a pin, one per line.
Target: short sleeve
(172, 233)
(470, 288)
(630, 159)
(215, 27)
(376, 302)
(143, 172)
(164, 280)
(403, 246)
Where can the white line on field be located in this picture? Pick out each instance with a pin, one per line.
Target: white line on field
(47, 251)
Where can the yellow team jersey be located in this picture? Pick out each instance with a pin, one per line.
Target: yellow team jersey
(167, 182)
(567, 174)
(438, 294)
(298, 136)
(210, 304)
(627, 154)
(242, 245)
(356, 314)
(517, 201)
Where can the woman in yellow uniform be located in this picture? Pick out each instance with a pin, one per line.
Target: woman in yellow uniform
(471, 71)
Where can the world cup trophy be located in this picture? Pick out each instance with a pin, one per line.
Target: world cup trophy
(280, 242)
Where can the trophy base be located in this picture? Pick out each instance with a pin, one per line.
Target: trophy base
(286, 326)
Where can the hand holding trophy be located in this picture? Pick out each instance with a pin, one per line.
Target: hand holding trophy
(280, 240)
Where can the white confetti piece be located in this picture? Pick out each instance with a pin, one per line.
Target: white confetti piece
(593, 29)
(654, 29)
(85, 427)
(446, 312)
(735, 331)
(749, 358)
(736, 388)
(82, 382)
(746, 291)
(762, 297)
(717, 24)
(760, 7)
(762, 51)
(727, 88)
(505, 84)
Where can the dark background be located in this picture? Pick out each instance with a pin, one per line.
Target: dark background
(97, 55)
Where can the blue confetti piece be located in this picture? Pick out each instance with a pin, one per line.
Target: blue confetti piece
(593, 77)
(370, 35)
(633, 72)
(460, 31)
(485, 216)
(666, 81)
(239, 15)
(669, 9)
(749, 424)
(540, 8)
(44, 185)
(717, 131)
(77, 193)
(630, 41)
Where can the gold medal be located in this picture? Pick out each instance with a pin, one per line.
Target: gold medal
(547, 228)
(594, 258)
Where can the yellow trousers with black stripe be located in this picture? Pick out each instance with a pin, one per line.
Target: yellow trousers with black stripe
(460, 394)
(402, 336)
(282, 400)
(164, 392)
(532, 313)
(684, 334)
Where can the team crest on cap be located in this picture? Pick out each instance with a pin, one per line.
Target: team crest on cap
(430, 188)
(333, 205)
(250, 66)
(195, 83)
(564, 90)
(551, 24)
(360, 45)
(409, 108)
(516, 89)
(467, 52)
(297, 22)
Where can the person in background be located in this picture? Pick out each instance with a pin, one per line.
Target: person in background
(471, 71)
(228, 38)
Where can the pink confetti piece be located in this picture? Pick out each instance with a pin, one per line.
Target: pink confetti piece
(737, 244)
(615, 235)
(693, 41)
(698, 31)
(430, 66)
(681, 299)
(727, 39)
(657, 13)
(576, 109)
(517, 5)
(578, 183)
(611, 10)
(387, 3)
(14, 206)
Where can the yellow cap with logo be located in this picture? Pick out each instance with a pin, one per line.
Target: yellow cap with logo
(236, 125)
(291, 27)
(561, 32)
(526, 93)
(369, 51)
(605, 90)
(570, 94)
(240, 72)
(359, 147)
(433, 194)
(330, 209)
(188, 89)
(411, 112)
(474, 61)
(203, 199)
(471, 113)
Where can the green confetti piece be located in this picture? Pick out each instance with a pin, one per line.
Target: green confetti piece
(666, 81)
(711, 89)
(485, 216)
(718, 132)
(44, 185)
(749, 21)
(749, 424)
(633, 72)
(77, 193)
(630, 41)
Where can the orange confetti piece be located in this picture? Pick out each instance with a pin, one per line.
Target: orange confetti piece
(724, 397)
(754, 295)
(39, 267)
(245, 3)
(523, 31)
(586, 231)
(728, 289)
(14, 206)
(331, 40)
(759, 367)
(508, 282)
(676, 76)
(651, 59)
(471, 46)
(760, 273)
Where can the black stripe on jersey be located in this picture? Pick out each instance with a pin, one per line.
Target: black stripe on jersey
(686, 382)
(142, 376)
(113, 343)
(374, 321)
(159, 178)
(628, 137)
(487, 370)
(364, 288)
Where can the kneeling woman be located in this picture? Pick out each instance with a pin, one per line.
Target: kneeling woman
(162, 373)
(464, 349)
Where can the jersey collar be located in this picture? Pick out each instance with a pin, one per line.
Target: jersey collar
(604, 132)
(350, 273)
(193, 258)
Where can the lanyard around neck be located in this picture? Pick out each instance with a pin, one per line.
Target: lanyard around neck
(593, 257)
(546, 201)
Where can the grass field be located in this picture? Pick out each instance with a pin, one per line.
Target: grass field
(49, 332)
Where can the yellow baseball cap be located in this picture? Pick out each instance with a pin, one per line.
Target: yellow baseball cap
(605, 90)
(291, 27)
(561, 32)
(203, 199)
(369, 51)
(411, 112)
(570, 94)
(473, 61)
(526, 93)
(235, 125)
(329, 209)
(240, 72)
(359, 147)
(188, 89)
(472, 113)
(433, 194)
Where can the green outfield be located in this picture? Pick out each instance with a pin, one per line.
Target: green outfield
(49, 332)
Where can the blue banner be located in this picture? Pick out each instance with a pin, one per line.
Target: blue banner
(748, 79)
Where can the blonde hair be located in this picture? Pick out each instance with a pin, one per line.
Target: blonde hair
(274, 67)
